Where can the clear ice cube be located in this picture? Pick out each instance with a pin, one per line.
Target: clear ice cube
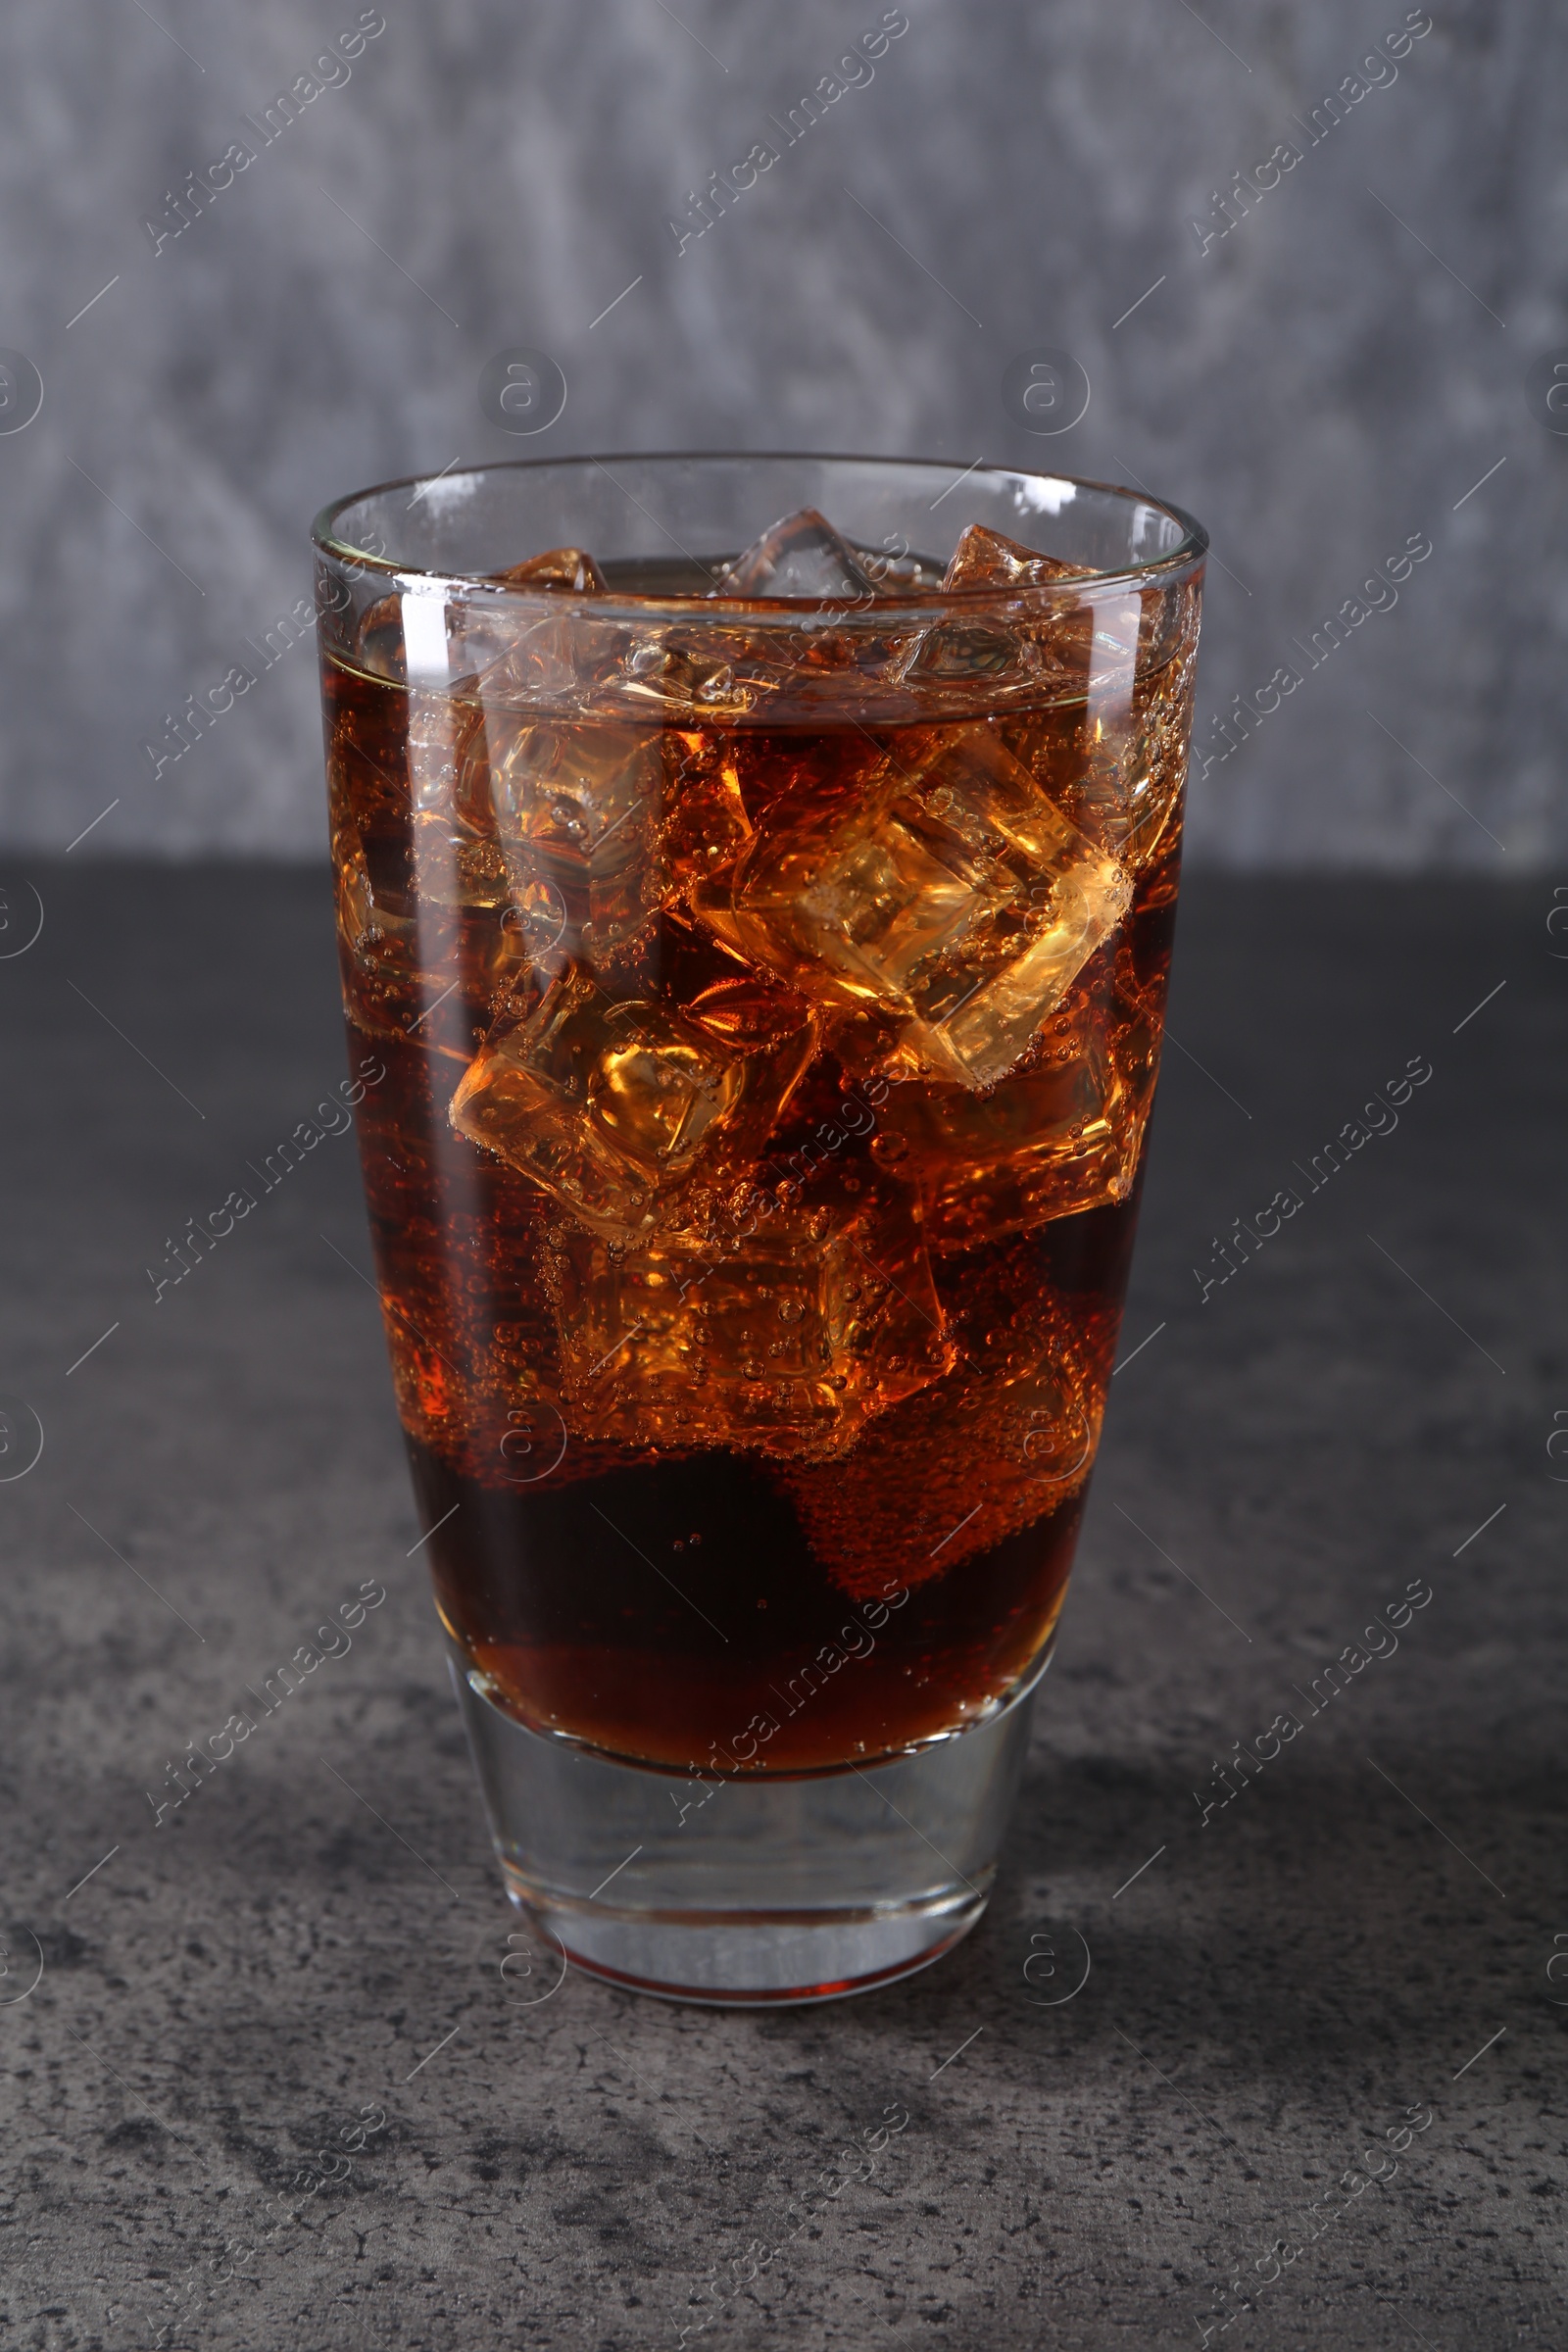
(697, 669)
(959, 653)
(787, 1334)
(800, 555)
(615, 1107)
(521, 658)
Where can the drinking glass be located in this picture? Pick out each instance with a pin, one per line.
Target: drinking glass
(756, 879)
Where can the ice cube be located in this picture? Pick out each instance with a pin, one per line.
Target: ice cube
(955, 893)
(786, 1334)
(1154, 767)
(615, 1107)
(708, 825)
(696, 669)
(571, 569)
(834, 909)
(1063, 1135)
(426, 897)
(800, 556)
(527, 663)
(904, 575)
(1121, 784)
(1123, 790)
(458, 867)
(947, 1474)
(379, 639)
(959, 653)
(575, 808)
(455, 854)
(984, 558)
(422, 898)
(1049, 898)
(956, 650)
(521, 658)
(396, 960)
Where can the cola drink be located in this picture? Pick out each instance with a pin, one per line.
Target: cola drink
(766, 955)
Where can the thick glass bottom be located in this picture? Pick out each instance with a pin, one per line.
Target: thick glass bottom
(761, 1889)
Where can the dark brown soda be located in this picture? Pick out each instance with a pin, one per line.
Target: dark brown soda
(719, 1608)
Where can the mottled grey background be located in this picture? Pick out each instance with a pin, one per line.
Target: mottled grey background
(1324, 382)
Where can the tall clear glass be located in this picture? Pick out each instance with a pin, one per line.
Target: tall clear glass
(754, 937)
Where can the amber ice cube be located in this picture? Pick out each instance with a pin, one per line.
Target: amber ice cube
(571, 569)
(421, 846)
(843, 910)
(616, 1107)
(576, 807)
(708, 823)
(1154, 764)
(787, 1334)
(418, 898)
(521, 657)
(962, 898)
(948, 1473)
(707, 671)
(984, 558)
(961, 651)
(1122, 785)
(1063, 1135)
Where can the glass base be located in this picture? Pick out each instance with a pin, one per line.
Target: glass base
(733, 1891)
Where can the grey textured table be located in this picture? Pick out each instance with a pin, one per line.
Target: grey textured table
(1351, 1955)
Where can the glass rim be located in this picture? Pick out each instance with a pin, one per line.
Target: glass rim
(1160, 570)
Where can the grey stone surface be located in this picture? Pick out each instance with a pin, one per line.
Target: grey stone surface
(1322, 383)
(221, 1998)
